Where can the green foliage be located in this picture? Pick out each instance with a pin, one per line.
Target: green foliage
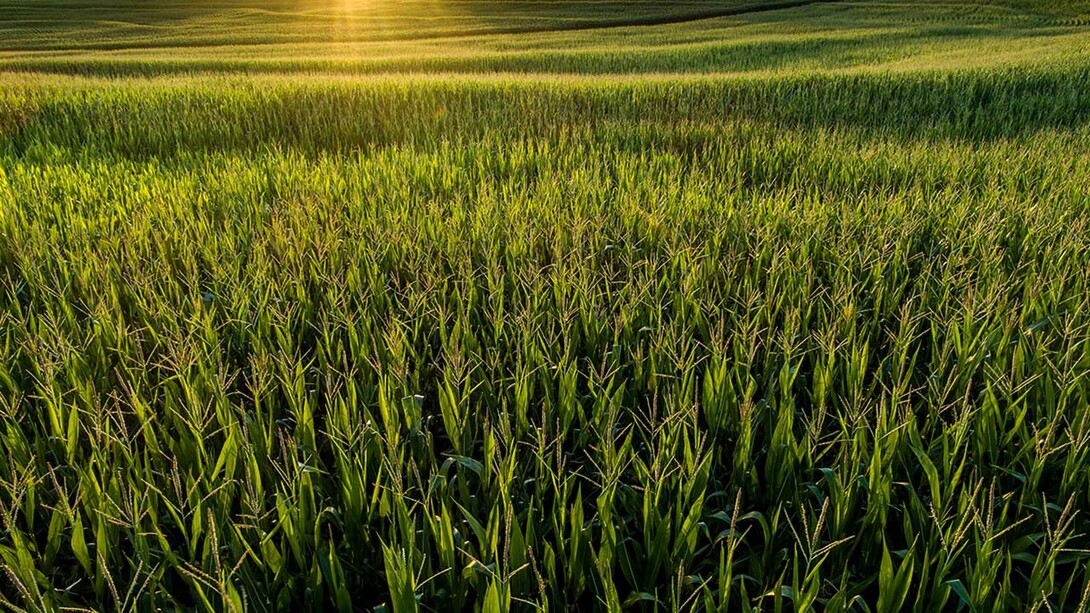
(782, 342)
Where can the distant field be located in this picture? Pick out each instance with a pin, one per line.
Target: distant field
(423, 305)
(537, 37)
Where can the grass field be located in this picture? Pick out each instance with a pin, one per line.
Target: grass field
(745, 305)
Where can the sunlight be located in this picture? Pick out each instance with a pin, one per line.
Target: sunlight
(375, 20)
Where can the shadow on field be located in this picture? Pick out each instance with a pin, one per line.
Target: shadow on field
(129, 24)
(589, 14)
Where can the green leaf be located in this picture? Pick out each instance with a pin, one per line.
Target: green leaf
(963, 595)
(637, 597)
(473, 465)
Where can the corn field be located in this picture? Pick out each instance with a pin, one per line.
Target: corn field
(479, 329)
